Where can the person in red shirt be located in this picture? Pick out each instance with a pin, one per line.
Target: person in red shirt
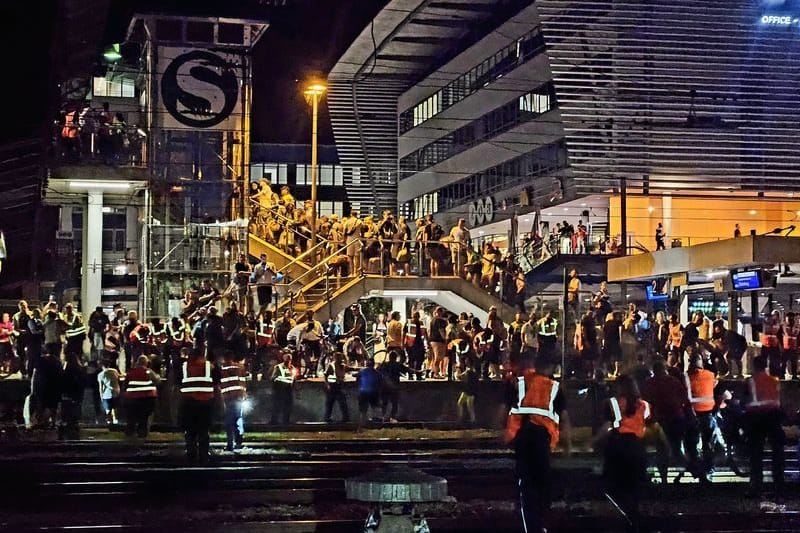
(668, 398)
(763, 415)
(6, 351)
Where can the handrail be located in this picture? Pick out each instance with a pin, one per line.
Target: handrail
(299, 259)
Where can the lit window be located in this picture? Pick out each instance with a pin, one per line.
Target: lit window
(326, 175)
(338, 175)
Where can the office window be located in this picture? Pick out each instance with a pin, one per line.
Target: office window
(338, 175)
(275, 173)
(325, 175)
(114, 87)
(356, 175)
(256, 172)
(303, 175)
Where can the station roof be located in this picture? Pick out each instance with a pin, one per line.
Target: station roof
(742, 252)
(409, 38)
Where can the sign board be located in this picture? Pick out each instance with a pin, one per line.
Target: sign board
(199, 89)
(480, 212)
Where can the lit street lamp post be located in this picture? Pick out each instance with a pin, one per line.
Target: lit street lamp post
(313, 93)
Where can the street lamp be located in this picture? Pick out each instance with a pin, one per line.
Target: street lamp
(313, 93)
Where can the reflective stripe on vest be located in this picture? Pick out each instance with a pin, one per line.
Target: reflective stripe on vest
(755, 400)
(231, 383)
(695, 400)
(75, 331)
(285, 375)
(206, 383)
(141, 386)
(619, 419)
(550, 412)
(331, 378)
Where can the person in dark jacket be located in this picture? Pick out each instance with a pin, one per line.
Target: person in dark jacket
(46, 390)
(73, 385)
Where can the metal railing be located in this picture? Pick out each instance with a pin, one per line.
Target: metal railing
(121, 145)
(194, 247)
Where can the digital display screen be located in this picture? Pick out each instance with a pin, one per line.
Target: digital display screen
(747, 280)
(654, 295)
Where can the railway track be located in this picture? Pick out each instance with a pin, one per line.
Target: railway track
(298, 486)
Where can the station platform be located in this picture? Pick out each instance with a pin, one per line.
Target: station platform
(430, 401)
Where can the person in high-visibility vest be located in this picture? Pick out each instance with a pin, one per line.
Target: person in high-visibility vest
(140, 397)
(283, 375)
(791, 331)
(197, 395)
(233, 387)
(532, 428)
(770, 338)
(700, 385)
(548, 335)
(177, 339)
(415, 340)
(625, 457)
(267, 347)
(763, 415)
(75, 332)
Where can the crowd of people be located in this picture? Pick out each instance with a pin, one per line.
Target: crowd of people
(387, 245)
(87, 133)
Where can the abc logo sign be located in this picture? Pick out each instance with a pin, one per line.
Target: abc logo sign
(481, 212)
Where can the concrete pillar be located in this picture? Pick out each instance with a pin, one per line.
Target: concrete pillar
(132, 240)
(399, 304)
(683, 311)
(92, 256)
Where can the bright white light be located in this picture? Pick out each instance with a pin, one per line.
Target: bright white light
(566, 209)
(753, 212)
(99, 185)
(583, 204)
(411, 292)
(247, 405)
(650, 209)
(107, 209)
(526, 220)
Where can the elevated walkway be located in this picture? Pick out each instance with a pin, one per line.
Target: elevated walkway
(289, 266)
(551, 270)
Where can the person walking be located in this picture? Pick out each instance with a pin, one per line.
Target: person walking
(625, 457)
(548, 336)
(468, 378)
(197, 395)
(108, 384)
(763, 417)
(791, 331)
(75, 332)
(232, 385)
(660, 237)
(73, 386)
(612, 343)
(437, 341)
(532, 429)
(282, 379)
(700, 385)
(263, 277)
(140, 397)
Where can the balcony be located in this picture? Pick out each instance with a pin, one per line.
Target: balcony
(93, 149)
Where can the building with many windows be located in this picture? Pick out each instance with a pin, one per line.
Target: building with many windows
(290, 165)
(682, 112)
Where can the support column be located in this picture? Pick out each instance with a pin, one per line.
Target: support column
(399, 304)
(92, 256)
(683, 310)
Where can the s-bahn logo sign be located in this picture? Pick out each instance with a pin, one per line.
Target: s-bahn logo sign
(199, 89)
(480, 212)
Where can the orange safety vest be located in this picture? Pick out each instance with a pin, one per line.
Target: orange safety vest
(411, 333)
(536, 398)
(629, 424)
(765, 392)
(197, 383)
(790, 334)
(232, 381)
(265, 333)
(140, 384)
(700, 385)
(139, 336)
(70, 129)
(769, 335)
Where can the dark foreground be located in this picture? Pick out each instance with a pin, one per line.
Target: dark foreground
(295, 482)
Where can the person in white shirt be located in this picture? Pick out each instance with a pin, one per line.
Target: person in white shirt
(459, 235)
(108, 385)
(264, 280)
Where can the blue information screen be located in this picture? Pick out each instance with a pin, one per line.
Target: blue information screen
(748, 280)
